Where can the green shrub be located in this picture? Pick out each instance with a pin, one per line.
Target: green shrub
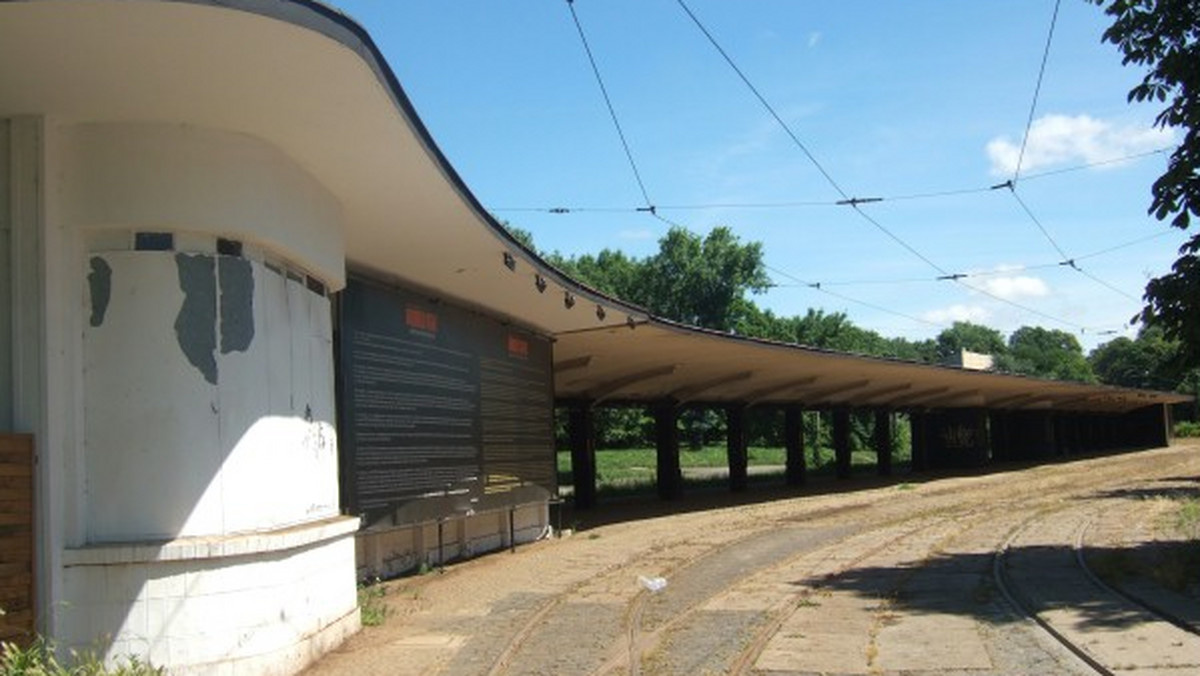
(1187, 429)
(372, 603)
(40, 659)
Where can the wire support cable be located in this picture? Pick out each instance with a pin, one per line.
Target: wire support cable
(1067, 259)
(1024, 308)
(931, 194)
(1000, 270)
(817, 286)
(761, 99)
(609, 104)
(1037, 91)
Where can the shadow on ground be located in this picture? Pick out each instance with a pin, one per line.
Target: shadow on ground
(1042, 577)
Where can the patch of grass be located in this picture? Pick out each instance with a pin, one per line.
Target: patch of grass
(635, 470)
(39, 658)
(372, 603)
(1187, 518)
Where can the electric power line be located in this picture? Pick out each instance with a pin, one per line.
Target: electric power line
(931, 194)
(1037, 90)
(608, 103)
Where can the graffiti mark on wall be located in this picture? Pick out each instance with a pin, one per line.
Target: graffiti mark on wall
(959, 436)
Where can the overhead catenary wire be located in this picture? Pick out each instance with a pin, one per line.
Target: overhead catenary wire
(998, 271)
(609, 104)
(853, 201)
(816, 286)
(795, 204)
(1012, 183)
(761, 99)
(1037, 90)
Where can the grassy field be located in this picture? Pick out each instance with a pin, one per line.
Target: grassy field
(633, 470)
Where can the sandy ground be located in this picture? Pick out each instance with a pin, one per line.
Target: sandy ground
(864, 576)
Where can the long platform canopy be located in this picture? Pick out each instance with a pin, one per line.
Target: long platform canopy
(310, 81)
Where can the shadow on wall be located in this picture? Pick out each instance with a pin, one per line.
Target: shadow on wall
(208, 413)
(208, 398)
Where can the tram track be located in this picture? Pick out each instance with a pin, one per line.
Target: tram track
(1042, 570)
(751, 589)
(651, 624)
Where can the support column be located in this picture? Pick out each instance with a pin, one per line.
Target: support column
(841, 441)
(883, 442)
(793, 441)
(581, 427)
(666, 432)
(920, 441)
(735, 442)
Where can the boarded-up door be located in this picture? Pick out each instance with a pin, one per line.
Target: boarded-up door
(16, 537)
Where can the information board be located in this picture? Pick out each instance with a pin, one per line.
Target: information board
(438, 404)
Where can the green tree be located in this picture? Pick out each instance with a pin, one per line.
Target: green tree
(1149, 362)
(696, 280)
(1163, 36)
(704, 282)
(971, 337)
(1045, 353)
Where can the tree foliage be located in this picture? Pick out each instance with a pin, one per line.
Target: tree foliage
(1163, 36)
(702, 281)
(1045, 353)
(971, 337)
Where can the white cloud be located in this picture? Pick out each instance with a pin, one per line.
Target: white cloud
(1013, 288)
(1056, 140)
(957, 313)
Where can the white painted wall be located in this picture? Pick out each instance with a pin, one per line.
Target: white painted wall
(149, 176)
(185, 514)
(170, 454)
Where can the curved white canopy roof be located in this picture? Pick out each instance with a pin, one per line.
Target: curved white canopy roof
(310, 81)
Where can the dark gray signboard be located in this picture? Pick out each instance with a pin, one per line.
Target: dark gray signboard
(442, 410)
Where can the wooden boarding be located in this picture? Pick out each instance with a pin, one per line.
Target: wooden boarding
(16, 538)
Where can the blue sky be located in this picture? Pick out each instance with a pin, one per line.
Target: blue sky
(894, 100)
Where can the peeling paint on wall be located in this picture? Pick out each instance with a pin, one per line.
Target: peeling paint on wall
(237, 304)
(196, 323)
(100, 286)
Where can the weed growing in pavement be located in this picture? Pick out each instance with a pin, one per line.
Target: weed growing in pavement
(1187, 519)
(372, 603)
(40, 658)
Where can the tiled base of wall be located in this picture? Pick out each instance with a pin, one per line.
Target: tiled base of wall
(386, 551)
(267, 603)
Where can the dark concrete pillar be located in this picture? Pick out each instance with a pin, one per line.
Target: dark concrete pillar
(998, 432)
(666, 432)
(917, 421)
(1031, 434)
(883, 442)
(581, 429)
(1091, 440)
(841, 441)
(1148, 426)
(793, 442)
(735, 444)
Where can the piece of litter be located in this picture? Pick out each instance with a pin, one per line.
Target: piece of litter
(654, 584)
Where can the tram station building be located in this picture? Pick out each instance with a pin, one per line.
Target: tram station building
(258, 340)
